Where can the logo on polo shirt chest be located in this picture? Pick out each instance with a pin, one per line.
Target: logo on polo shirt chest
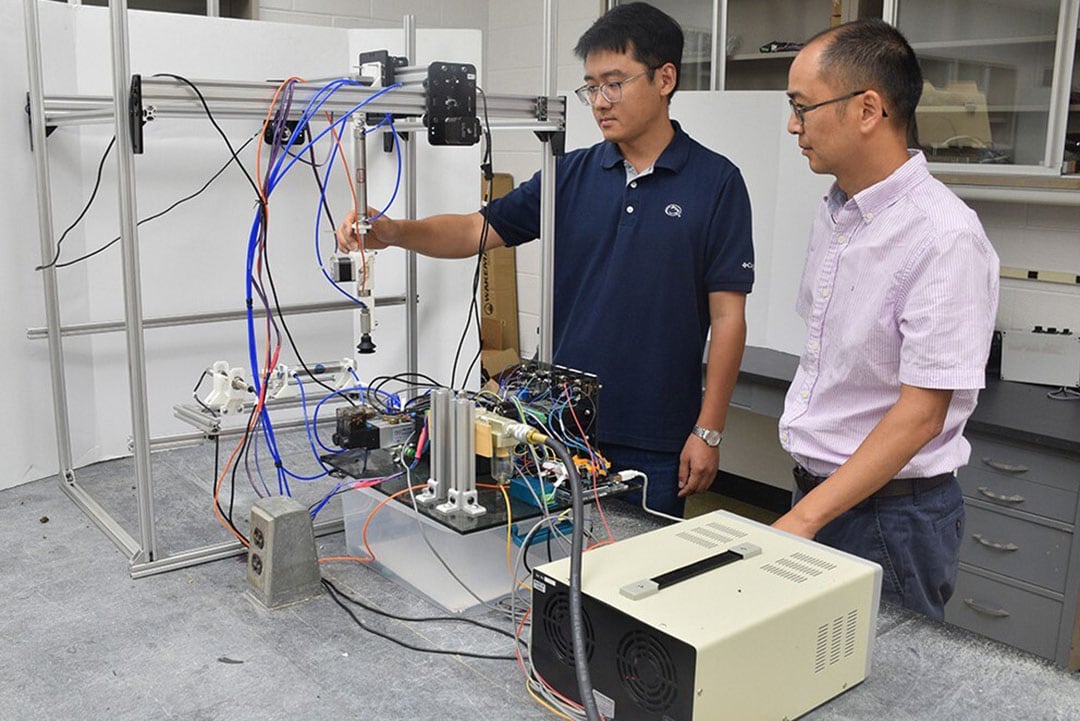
(673, 210)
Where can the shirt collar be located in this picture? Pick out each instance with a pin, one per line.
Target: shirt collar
(884, 193)
(673, 158)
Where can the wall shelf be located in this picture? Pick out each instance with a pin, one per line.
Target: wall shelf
(984, 42)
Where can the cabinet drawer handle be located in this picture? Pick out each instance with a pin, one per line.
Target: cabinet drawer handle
(1005, 467)
(985, 610)
(996, 546)
(999, 498)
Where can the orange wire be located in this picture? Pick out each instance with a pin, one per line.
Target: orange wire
(341, 154)
(525, 672)
(221, 479)
(345, 558)
(521, 665)
(517, 637)
(595, 455)
(266, 124)
(260, 404)
(377, 508)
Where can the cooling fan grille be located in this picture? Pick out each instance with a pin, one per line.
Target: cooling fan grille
(647, 671)
(556, 623)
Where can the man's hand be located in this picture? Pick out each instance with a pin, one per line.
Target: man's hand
(377, 237)
(697, 466)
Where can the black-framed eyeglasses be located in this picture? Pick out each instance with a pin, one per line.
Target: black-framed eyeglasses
(612, 91)
(800, 111)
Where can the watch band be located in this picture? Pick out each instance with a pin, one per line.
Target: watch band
(711, 437)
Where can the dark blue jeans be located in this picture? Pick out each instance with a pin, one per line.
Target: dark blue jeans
(915, 539)
(661, 467)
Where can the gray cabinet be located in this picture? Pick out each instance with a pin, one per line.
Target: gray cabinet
(1019, 562)
(1019, 578)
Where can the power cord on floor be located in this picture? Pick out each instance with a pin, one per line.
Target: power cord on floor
(336, 596)
(415, 619)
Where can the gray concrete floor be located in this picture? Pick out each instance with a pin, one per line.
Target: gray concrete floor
(81, 640)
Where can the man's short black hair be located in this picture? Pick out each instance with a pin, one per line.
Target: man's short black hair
(873, 55)
(655, 37)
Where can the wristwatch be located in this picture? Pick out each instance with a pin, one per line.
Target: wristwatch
(711, 437)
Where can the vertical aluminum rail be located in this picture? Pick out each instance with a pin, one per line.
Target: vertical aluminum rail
(719, 45)
(412, 327)
(66, 474)
(1061, 87)
(44, 198)
(442, 444)
(547, 195)
(129, 248)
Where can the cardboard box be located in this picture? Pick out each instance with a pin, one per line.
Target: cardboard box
(498, 297)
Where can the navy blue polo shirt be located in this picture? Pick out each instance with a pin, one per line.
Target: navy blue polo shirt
(634, 265)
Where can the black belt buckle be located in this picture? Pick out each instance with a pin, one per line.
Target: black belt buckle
(805, 480)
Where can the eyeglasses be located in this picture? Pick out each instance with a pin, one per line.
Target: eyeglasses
(612, 91)
(800, 111)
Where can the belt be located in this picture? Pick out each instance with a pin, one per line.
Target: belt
(806, 481)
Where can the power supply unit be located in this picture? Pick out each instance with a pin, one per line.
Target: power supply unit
(716, 617)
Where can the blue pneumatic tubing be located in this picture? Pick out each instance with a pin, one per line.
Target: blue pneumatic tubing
(276, 174)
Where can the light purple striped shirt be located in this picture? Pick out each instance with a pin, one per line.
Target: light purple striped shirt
(900, 286)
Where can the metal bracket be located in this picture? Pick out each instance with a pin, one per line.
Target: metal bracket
(557, 138)
(388, 65)
(388, 140)
(29, 124)
(135, 114)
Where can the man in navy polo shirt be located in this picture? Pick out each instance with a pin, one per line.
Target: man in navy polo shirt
(653, 251)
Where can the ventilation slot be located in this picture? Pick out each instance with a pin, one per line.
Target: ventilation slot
(822, 648)
(783, 573)
(835, 641)
(726, 533)
(798, 567)
(710, 535)
(813, 561)
(647, 671)
(849, 633)
(694, 538)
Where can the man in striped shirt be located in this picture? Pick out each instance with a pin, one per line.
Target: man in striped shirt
(899, 295)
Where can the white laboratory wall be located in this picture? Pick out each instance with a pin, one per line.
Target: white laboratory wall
(747, 127)
(27, 440)
(1035, 237)
(377, 13)
(513, 53)
(513, 58)
(192, 260)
